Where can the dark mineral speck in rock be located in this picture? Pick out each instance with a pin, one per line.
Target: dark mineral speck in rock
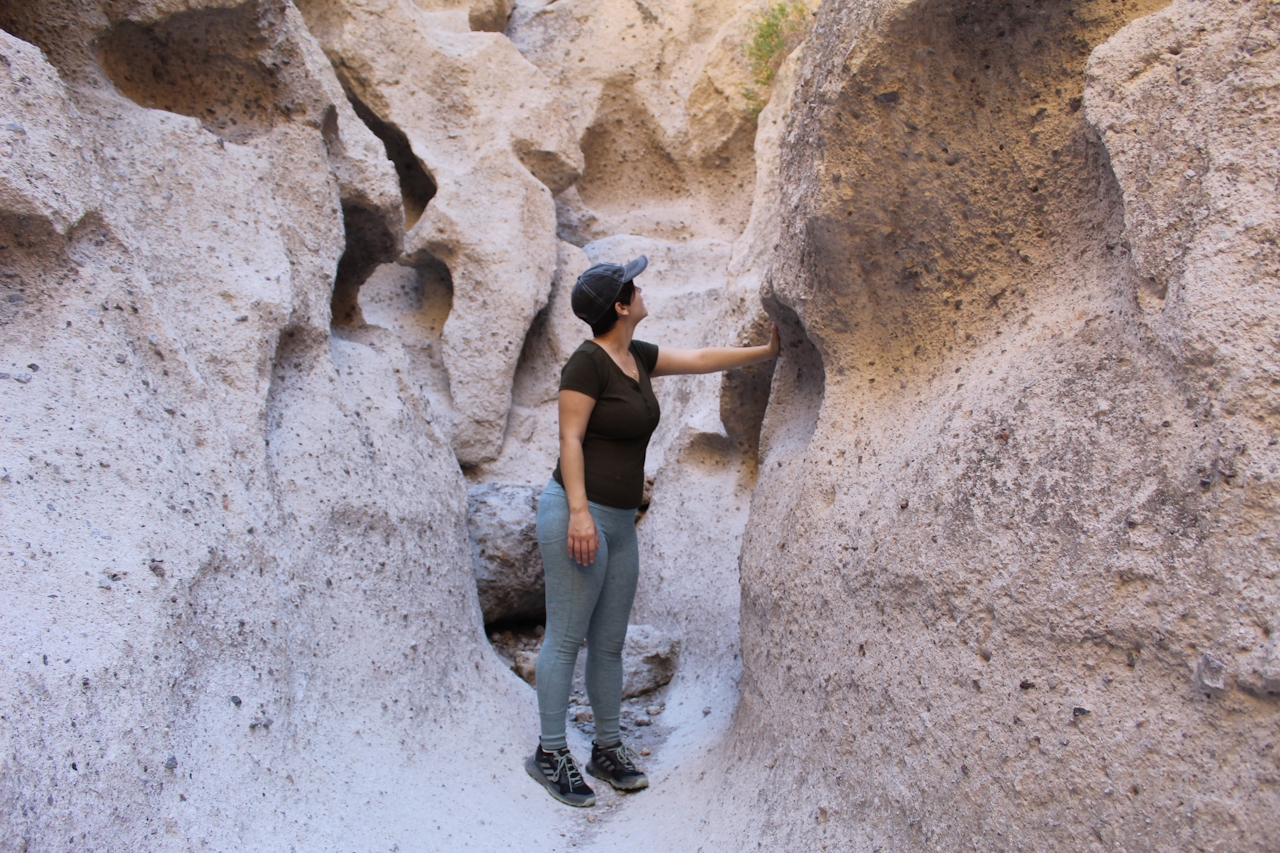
(34, 368)
(1079, 712)
(235, 700)
(706, 711)
(119, 359)
(1026, 684)
(171, 763)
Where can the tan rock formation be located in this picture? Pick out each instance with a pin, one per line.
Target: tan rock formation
(483, 126)
(1008, 580)
(665, 133)
(238, 594)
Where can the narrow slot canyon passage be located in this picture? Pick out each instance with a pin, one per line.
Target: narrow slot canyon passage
(985, 559)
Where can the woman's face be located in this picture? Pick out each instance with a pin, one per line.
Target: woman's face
(636, 311)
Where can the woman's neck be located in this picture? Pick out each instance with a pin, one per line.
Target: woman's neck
(618, 339)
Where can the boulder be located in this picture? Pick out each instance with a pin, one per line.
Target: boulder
(501, 523)
(649, 660)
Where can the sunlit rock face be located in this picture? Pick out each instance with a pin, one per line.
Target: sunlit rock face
(1010, 574)
(281, 283)
(484, 136)
(239, 593)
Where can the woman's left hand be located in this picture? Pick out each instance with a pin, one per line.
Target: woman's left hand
(775, 342)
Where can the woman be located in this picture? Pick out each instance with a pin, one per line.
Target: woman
(586, 519)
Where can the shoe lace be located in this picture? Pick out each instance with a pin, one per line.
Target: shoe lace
(623, 756)
(567, 768)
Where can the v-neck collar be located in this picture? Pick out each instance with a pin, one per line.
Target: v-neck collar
(633, 379)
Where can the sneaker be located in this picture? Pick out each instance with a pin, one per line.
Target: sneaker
(617, 766)
(559, 774)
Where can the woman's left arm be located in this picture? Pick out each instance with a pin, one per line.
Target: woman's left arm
(672, 361)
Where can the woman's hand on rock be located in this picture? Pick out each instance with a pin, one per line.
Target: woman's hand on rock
(775, 342)
(583, 539)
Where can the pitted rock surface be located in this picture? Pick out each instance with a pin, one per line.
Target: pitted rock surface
(988, 559)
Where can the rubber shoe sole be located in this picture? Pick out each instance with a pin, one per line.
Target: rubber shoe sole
(637, 784)
(578, 801)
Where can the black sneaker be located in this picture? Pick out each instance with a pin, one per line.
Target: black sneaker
(617, 766)
(559, 774)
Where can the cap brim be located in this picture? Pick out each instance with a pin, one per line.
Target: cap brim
(634, 268)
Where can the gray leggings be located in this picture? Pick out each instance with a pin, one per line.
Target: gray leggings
(585, 602)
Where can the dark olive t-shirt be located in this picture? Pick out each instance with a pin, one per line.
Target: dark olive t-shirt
(625, 415)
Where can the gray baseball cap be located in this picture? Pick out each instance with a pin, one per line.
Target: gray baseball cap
(597, 289)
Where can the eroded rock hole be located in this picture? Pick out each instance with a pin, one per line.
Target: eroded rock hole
(798, 386)
(624, 160)
(414, 303)
(369, 243)
(744, 397)
(215, 65)
(416, 185)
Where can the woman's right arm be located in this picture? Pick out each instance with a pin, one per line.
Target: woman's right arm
(575, 411)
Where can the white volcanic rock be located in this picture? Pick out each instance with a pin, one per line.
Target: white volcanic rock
(1008, 555)
(493, 141)
(1003, 548)
(42, 175)
(653, 93)
(1167, 95)
(649, 659)
(241, 595)
(488, 15)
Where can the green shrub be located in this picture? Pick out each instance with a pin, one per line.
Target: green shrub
(774, 33)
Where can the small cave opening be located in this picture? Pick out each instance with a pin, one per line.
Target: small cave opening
(797, 388)
(517, 642)
(370, 243)
(214, 65)
(414, 303)
(744, 397)
(417, 187)
(625, 161)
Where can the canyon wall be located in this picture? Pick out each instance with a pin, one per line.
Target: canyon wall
(1009, 580)
(996, 568)
(239, 611)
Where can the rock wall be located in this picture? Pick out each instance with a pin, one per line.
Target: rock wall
(1009, 580)
(239, 604)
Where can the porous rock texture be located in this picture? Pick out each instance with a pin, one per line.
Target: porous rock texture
(239, 610)
(1002, 546)
(501, 522)
(1009, 581)
(482, 134)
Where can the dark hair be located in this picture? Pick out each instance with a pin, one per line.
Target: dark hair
(610, 318)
